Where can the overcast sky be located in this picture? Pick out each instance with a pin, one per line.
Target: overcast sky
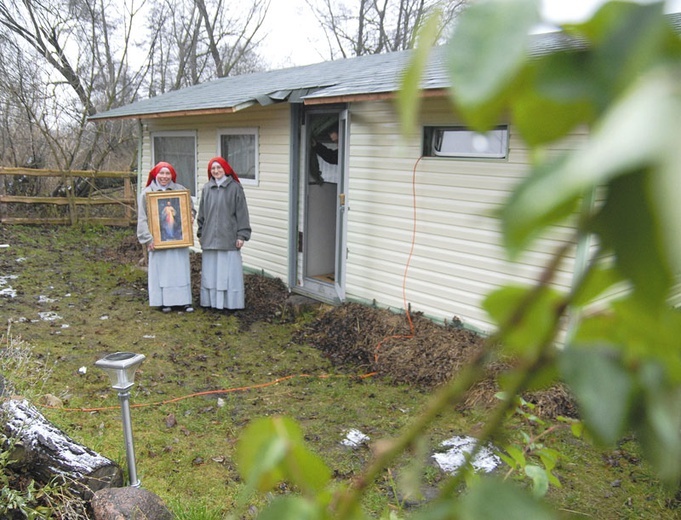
(294, 37)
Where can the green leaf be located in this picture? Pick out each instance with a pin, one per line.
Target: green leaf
(639, 252)
(542, 120)
(540, 480)
(602, 387)
(264, 472)
(259, 457)
(549, 457)
(529, 320)
(517, 456)
(642, 332)
(509, 461)
(664, 190)
(487, 52)
(557, 97)
(577, 429)
(597, 281)
(638, 132)
(659, 431)
(306, 469)
(272, 449)
(497, 499)
(628, 39)
(290, 508)
(408, 96)
(523, 219)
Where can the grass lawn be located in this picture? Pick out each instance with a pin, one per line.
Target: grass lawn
(208, 374)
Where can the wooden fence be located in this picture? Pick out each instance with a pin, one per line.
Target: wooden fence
(109, 207)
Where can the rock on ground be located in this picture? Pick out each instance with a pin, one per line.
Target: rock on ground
(128, 503)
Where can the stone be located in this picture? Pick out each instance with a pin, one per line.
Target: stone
(298, 304)
(128, 503)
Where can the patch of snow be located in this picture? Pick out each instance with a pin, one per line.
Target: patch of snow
(149, 336)
(49, 316)
(3, 279)
(458, 448)
(22, 259)
(7, 292)
(354, 438)
(33, 429)
(105, 317)
(44, 299)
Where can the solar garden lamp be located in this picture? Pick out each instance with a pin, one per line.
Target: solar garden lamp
(121, 367)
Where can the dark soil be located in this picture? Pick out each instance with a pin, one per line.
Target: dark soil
(403, 349)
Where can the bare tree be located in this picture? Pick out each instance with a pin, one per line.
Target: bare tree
(82, 56)
(359, 27)
(192, 42)
(62, 61)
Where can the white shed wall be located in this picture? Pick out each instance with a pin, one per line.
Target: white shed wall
(457, 256)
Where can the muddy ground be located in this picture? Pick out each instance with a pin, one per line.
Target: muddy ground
(402, 349)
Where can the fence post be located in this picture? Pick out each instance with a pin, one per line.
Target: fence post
(127, 193)
(70, 196)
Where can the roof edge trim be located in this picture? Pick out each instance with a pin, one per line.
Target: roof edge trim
(436, 92)
(178, 113)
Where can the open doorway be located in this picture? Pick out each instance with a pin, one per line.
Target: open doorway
(321, 244)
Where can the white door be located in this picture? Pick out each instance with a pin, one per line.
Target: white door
(342, 202)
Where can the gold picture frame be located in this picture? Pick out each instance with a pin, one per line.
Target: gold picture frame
(170, 218)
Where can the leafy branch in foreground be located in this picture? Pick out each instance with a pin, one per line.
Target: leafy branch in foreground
(621, 355)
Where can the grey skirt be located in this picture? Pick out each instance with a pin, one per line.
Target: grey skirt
(169, 279)
(222, 279)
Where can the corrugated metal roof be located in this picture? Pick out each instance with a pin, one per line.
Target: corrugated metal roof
(360, 76)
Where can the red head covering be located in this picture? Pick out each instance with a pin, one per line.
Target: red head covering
(154, 171)
(225, 166)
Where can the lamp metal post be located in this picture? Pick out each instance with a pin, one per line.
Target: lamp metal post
(121, 367)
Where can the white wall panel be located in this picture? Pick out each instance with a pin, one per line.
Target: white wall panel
(457, 257)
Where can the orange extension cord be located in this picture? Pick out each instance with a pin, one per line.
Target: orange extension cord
(406, 269)
(286, 378)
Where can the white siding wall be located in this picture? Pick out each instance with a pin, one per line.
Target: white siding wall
(268, 202)
(457, 257)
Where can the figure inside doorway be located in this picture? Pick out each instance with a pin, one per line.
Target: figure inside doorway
(324, 160)
(330, 155)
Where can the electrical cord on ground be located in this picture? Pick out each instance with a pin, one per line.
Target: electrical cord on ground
(407, 310)
(207, 392)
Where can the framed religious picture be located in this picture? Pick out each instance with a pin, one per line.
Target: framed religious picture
(170, 218)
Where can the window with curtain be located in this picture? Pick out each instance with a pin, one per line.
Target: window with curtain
(179, 149)
(239, 146)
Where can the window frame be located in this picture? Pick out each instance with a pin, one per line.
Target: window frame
(243, 131)
(194, 188)
(428, 146)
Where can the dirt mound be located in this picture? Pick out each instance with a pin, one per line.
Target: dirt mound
(377, 340)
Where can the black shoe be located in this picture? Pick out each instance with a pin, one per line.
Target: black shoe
(188, 308)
